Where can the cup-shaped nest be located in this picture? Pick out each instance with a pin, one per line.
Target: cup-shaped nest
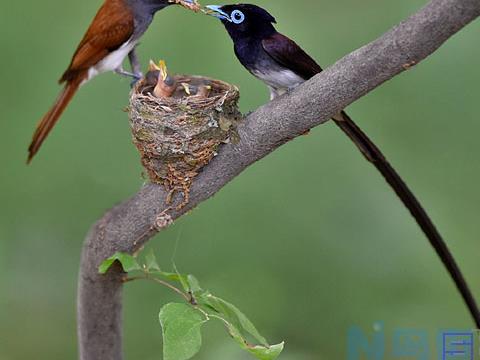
(180, 134)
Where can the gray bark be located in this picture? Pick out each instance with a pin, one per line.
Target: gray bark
(131, 224)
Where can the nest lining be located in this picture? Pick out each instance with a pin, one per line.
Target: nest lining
(178, 135)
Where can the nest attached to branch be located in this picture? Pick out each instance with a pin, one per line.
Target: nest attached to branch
(179, 134)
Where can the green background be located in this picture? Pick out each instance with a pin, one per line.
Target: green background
(307, 242)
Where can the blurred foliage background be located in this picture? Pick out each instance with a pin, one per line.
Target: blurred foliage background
(307, 242)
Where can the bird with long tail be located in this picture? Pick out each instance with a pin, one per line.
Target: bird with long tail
(283, 65)
(112, 36)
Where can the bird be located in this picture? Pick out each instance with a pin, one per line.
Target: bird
(283, 65)
(164, 84)
(112, 36)
(203, 91)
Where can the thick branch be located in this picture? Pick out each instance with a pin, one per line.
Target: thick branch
(128, 226)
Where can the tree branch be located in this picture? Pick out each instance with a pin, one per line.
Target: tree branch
(130, 225)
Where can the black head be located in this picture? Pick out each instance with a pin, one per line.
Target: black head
(244, 20)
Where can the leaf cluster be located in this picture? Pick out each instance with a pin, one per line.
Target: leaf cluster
(182, 322)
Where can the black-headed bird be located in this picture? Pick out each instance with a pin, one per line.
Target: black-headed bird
(282, 65)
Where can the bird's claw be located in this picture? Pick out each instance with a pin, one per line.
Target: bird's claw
(290, 89)
(135, 76)
(134, 82)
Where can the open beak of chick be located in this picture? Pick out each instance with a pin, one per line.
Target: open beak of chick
(188, 4)
(165, 84)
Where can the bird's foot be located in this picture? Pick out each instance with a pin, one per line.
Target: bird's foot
(122, 72)
(290, 90)
(135, 76)
(133, 83)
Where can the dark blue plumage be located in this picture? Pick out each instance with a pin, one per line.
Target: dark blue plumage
(281, 64)
(270, 56)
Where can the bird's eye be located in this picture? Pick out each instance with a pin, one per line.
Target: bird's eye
(237, 16)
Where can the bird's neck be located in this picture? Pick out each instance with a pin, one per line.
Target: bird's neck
(143, 11)
(258, 34)
(147, 8)
(247, 51)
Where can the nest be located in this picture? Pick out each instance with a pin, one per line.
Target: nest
(178, 135)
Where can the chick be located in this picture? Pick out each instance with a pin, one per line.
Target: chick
(204, 91)
(165, 85)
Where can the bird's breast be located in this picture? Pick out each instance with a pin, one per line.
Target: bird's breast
(261, 65)
(113, 60)
(278, 78)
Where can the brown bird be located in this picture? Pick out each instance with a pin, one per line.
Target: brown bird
(112, 36)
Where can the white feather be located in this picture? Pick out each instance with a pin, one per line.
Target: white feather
(112, 61)
(279, 81)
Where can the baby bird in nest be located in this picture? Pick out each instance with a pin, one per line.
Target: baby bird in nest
(165, 85)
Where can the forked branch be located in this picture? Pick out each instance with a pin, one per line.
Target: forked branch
(130, 225)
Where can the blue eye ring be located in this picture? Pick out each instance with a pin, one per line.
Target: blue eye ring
(237, 16)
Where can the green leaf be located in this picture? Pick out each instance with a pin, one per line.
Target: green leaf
(261, 352)
(193, 284)
(128, 262)
(266, 352)
(151, 262)
(232, 315)
(181, 325)
(182, 278)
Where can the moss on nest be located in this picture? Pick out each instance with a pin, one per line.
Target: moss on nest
(178, 135)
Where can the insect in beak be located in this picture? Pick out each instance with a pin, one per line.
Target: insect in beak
(189, 4)
(216, 11)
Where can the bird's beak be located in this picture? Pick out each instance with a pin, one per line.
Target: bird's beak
(215, 10)
(188, 4)
(152, 66)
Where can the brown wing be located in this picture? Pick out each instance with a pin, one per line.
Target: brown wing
(111, 28)
(286, 52)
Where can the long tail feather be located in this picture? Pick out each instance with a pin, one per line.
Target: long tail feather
(51, 117)
(373, 154)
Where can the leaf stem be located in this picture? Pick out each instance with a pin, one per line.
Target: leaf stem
(161, 282)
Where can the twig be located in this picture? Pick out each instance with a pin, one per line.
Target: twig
(161, 282)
